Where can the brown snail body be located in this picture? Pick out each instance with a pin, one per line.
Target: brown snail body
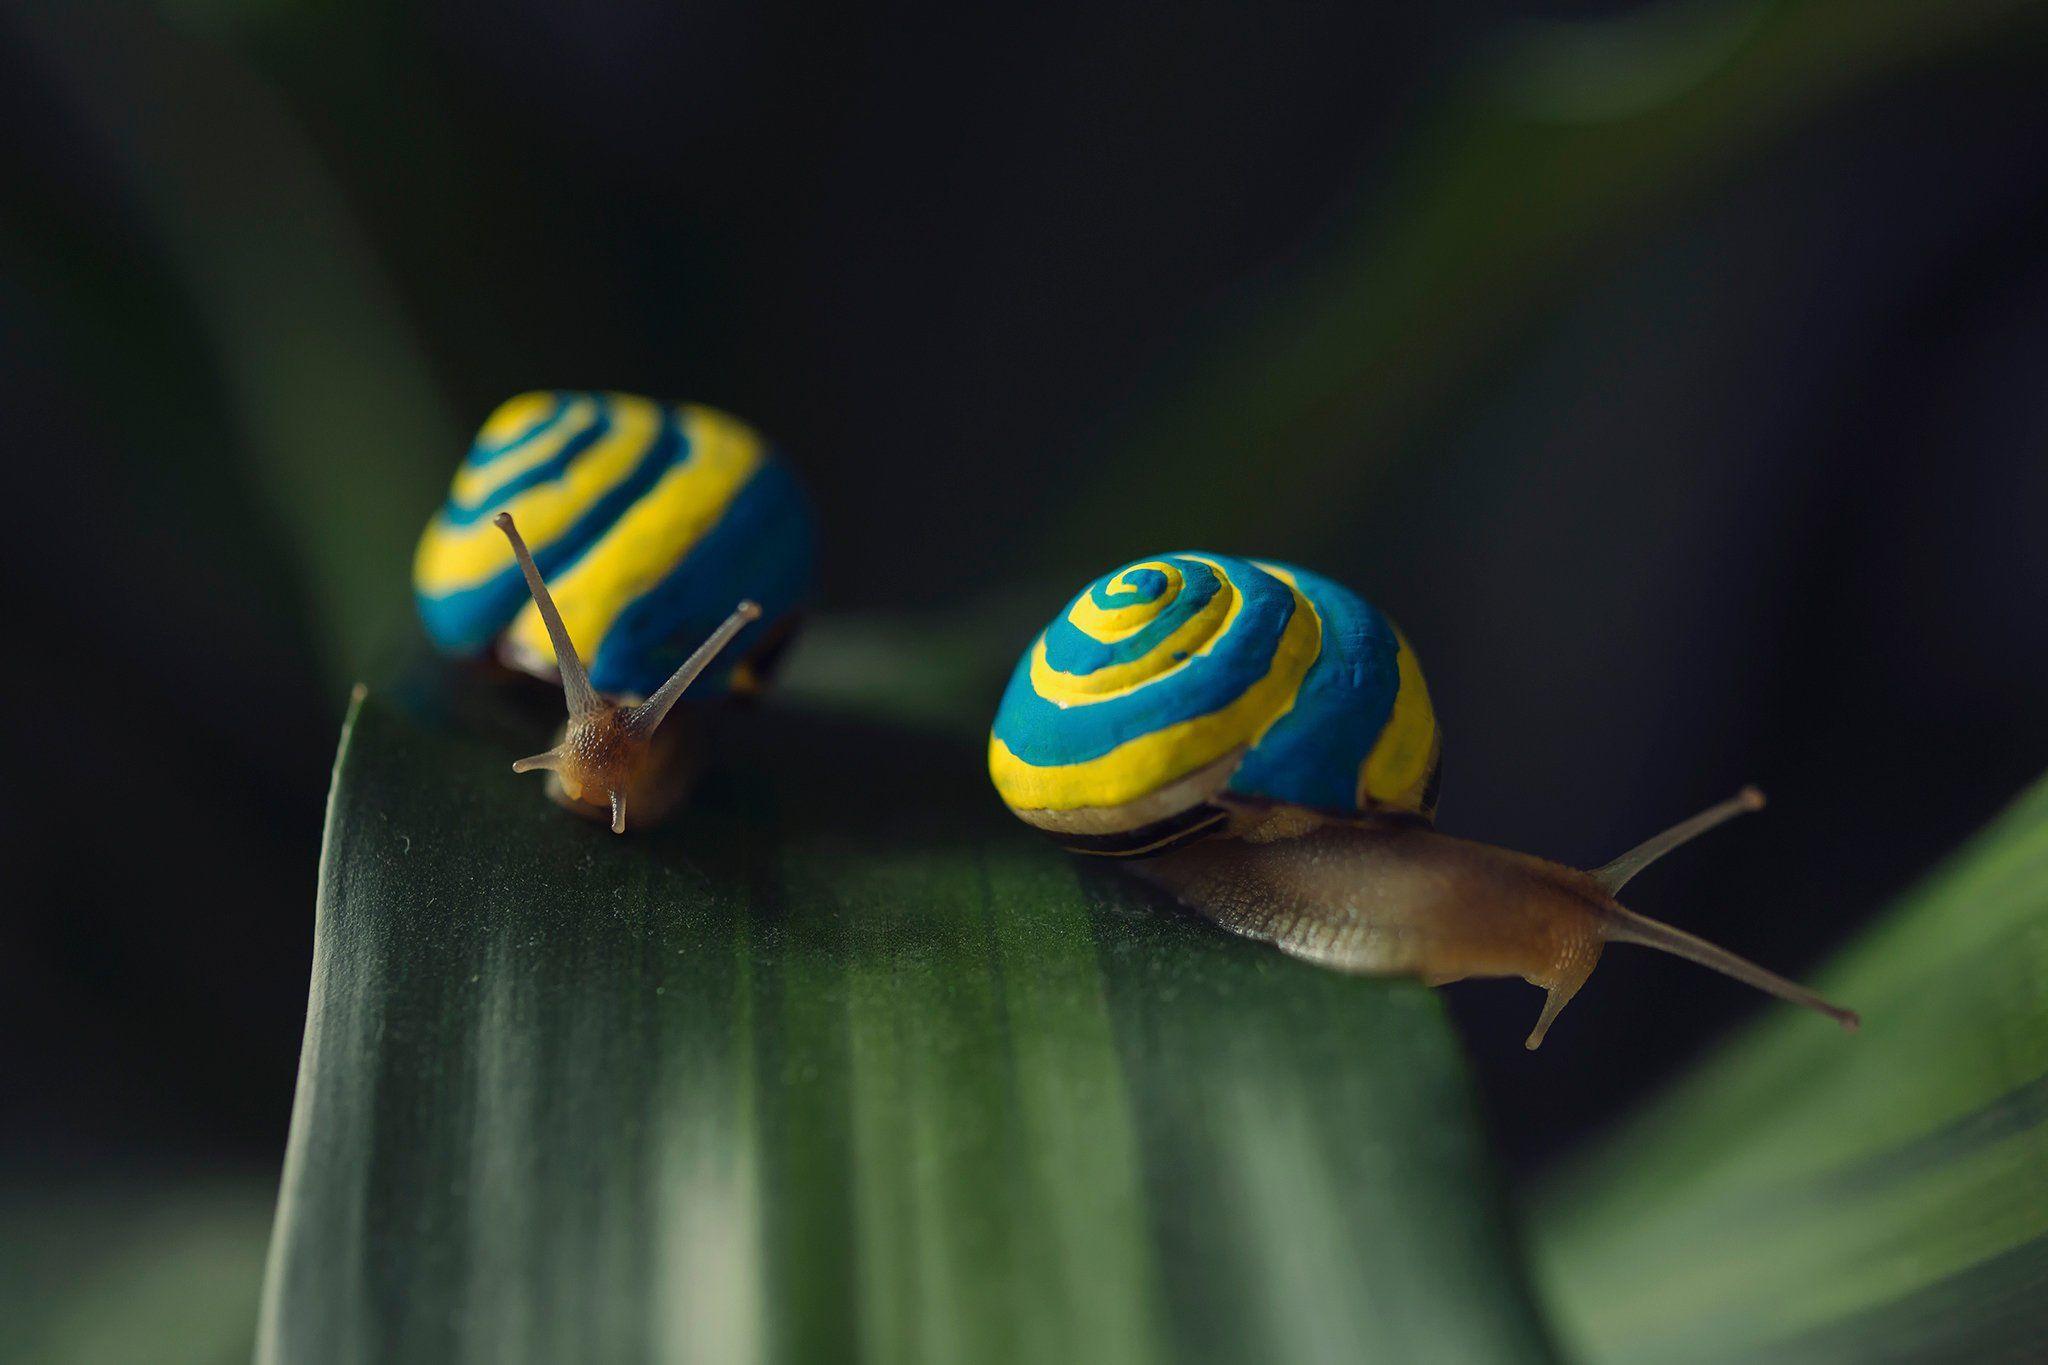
(1258, 742)
(1393, 897)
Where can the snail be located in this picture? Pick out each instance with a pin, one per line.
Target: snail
(1260, 742)
(652, 520)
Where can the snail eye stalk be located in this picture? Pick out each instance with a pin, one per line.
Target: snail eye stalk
(582, 698)
(1611, 877)
(644, 719)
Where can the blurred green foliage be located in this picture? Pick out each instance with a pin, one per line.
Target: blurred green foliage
(1794, 1199)
(339, 428)
(165, 1270)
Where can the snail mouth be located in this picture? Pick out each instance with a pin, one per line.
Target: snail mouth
(602, 754)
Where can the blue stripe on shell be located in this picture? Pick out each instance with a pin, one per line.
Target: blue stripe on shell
(763, 548)
(1311, 756)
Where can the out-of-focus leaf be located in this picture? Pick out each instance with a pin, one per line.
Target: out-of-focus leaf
(854, 664)
(165, 1271)
(842, 1064)
(342, 431)
(1562, 143)
(1806, 1197)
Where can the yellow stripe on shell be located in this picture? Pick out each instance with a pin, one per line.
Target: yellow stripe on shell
(1196, 636)
(475, 484)
(515, 417)
(650, 538)
(1397, 770)
(452, 558)
(1147, 762)
(1111, 624)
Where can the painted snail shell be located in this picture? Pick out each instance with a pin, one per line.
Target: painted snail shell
(1187, 692)
(648, 521)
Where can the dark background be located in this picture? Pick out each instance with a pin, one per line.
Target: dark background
(1674, 373)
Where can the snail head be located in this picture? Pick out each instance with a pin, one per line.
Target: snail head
(607, 748)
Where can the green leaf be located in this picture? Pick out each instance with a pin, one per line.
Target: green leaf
(1806, 1196)
(845, 1062)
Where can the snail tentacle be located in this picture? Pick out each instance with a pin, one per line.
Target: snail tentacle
(582, 697)
(1622, 925)
(645, 718)
(1611, 877)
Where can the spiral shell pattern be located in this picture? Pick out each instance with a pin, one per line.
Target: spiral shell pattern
(649, 522)
(1187, 678)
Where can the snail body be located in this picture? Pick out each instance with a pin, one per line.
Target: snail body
(649, 521)
(1259, 743)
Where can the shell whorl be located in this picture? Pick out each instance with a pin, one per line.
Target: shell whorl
(1185, 679)
(649, 521)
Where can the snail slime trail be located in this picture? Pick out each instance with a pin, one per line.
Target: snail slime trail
(1258, 742)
